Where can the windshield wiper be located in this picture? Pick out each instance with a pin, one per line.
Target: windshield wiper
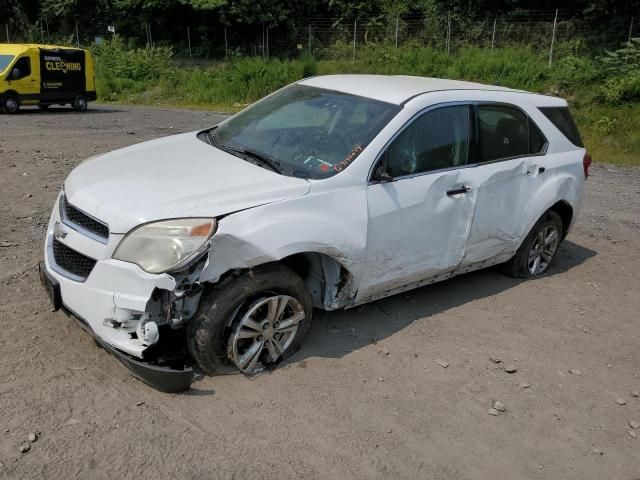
(257, 157)
(262, 159)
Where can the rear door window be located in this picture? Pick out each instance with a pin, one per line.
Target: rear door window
(507, 132)
(562, 119)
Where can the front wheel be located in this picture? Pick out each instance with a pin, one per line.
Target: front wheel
(251, 321)
(9, 104)
(538, 249)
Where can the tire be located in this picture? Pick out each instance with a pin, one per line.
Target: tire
(80, 104)
(234, 321)
(523, 265)
(9, 104)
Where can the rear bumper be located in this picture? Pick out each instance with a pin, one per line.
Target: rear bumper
(161, 378)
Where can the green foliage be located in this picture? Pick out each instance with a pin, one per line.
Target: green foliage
(121, 69)
(605, 103)
(624, 60)
(622, 88)
(623, 73)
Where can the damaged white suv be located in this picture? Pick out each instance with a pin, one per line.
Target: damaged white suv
(208, 251)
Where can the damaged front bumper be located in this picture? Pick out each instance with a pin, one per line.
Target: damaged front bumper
(137, 316)
(161, 377)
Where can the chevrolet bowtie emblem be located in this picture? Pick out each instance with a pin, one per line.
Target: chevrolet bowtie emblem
(59, 231)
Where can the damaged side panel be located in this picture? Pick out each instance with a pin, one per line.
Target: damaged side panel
(512, 195)
(313, 224)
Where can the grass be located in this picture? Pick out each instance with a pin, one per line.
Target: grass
(611, 128)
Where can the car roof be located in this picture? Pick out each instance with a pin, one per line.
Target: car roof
(17, 48)
(396, 89)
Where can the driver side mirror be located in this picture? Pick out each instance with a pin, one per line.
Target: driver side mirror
(15, 74)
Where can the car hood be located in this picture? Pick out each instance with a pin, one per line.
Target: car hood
(172, 177)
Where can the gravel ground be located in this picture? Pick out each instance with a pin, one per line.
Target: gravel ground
(368, 396)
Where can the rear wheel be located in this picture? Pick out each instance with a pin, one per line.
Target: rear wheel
(538, 249)
(9, 104)
(80, 104)
(251, 321)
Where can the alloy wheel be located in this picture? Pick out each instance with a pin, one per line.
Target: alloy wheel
(265, 332)
(543, 249)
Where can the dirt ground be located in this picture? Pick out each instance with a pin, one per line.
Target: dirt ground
(364, 398)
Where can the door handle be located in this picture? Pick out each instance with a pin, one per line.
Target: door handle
(534, 171)
(459, 190)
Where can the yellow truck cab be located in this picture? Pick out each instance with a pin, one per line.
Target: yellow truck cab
(45, 75)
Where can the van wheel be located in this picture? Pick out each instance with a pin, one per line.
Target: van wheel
(251, 322)
(10, 104)
(80, 104)
(538, 249)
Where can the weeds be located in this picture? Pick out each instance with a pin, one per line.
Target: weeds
(603, 92)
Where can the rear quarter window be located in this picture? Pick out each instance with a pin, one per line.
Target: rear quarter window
(562, 119)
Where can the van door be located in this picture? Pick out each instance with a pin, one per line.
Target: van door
(510, 167)
(419, 221)
(23, 78)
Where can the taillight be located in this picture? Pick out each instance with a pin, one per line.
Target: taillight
(586, 164)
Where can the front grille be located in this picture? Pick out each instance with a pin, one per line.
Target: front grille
(72, 261)
(75, 216)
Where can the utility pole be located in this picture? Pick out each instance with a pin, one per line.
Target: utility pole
(493, 35)
(355, 29)
(77, 35)
(630, 29)
(309, 42)
(7, 27)
(397, 25)
(448, 32)
(189, 40)
(226, 44)
(553, 38)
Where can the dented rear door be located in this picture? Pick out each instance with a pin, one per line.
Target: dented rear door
(510, 166)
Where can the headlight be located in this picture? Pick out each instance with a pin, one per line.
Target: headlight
(167, 245)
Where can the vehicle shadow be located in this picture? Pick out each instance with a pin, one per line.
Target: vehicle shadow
(335, 334)
(64, 111)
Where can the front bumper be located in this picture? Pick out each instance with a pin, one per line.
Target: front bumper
(112, 300)
(161, 378)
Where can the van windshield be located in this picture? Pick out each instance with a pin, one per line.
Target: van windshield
(304, 131)
(5, 60)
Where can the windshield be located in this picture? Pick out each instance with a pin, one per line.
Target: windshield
(304, 131)
(5, 60)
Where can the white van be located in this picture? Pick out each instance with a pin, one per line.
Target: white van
(209, 250)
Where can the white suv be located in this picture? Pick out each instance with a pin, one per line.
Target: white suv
(209, 250)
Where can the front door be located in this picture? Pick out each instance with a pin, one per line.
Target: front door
(419, 220)
(22, 78)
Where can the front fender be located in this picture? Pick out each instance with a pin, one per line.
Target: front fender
(332, 223)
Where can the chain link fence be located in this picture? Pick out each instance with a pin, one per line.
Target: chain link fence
(342, 38)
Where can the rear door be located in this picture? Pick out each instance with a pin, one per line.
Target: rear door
(511, 165)
(63, 73)
(419, 221)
